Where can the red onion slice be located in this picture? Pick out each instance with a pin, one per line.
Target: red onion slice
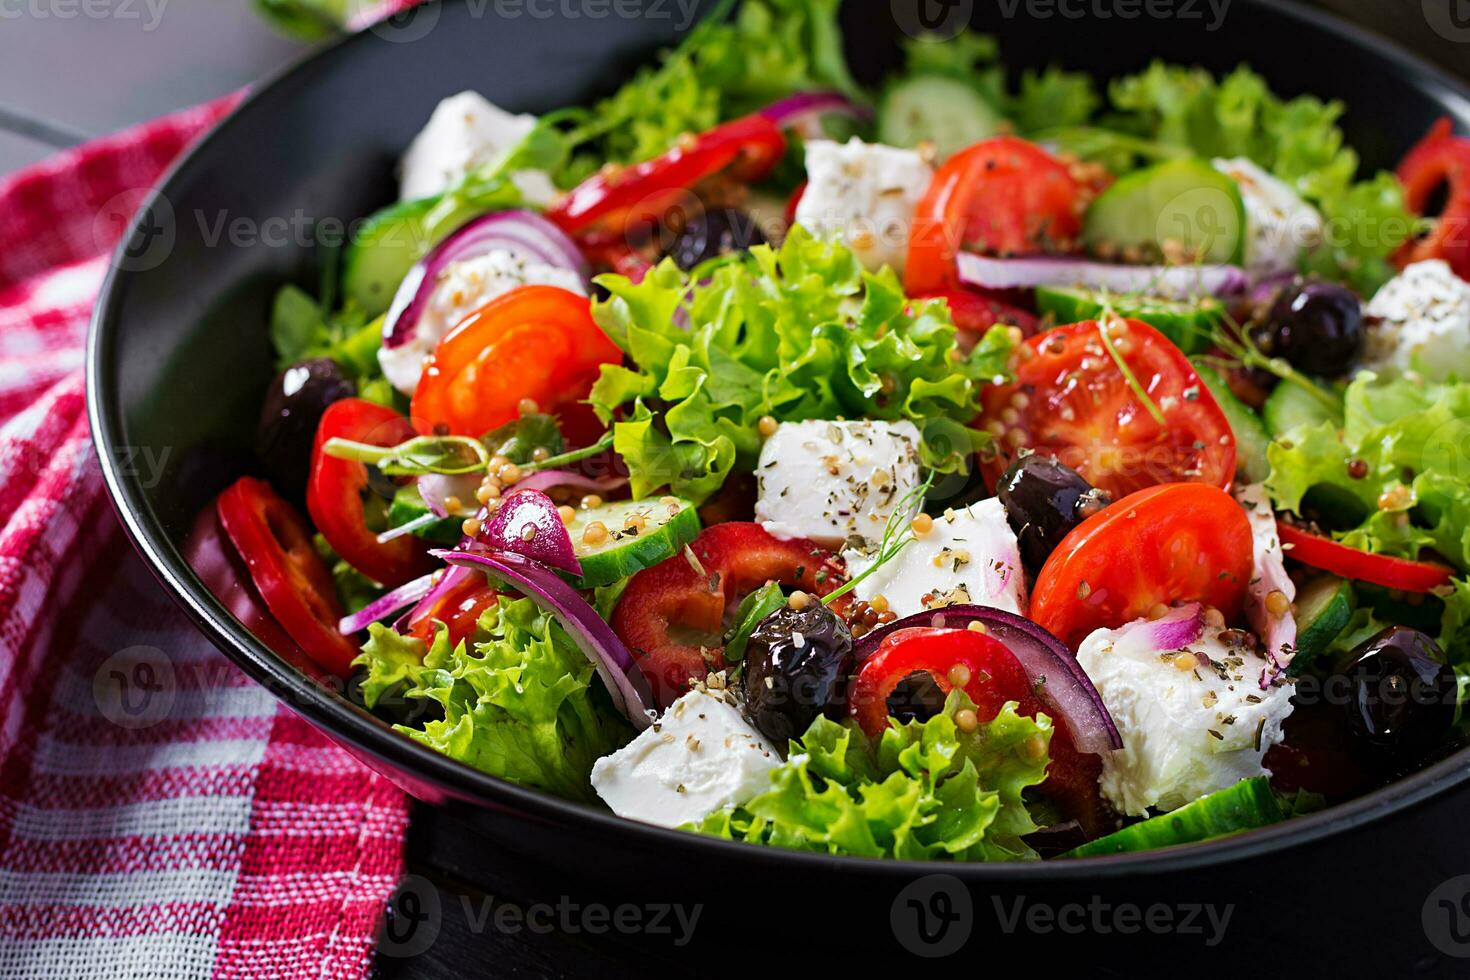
(1174, 281)
(804, 110)
(384, 606)
(436, 488)
(521, 231)
(546, 479)
(630, 691)
(529, 524)
(1067, 690)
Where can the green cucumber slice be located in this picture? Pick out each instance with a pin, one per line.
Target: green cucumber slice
(407, 505)
(1187, 324)
(945, 111)
(1323, 608)
(1183, 201)
(669, 524)
(1290, 405)
(1251, 436)
(1246, 805)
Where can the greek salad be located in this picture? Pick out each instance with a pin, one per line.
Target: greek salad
(978, 466)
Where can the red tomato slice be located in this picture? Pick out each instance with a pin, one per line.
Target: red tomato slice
(1440, 158)
(792, 202)
(337, 489)
(458, 609)
(536, 342)
(1180, 541)
(1079, 407)
(275, 544)
(974, 313)
(629, 198)
(1004, 196)
(1361, 566)
(991, 676)
(672, 615)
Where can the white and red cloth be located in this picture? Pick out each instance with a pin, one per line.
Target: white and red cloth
(217, 834)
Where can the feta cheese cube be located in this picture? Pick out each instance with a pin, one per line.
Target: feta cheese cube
(467, 131)
(863, 194)
(971, 555)
(701, 756)
(1420, 321)
(829, 481)
(1189, 705)
(464, 287)
(1279, 225)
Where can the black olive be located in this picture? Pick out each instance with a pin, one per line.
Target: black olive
(1044, 499)
(294, 404)
(714, 233)
(1400, 694)
(1317, 326)
(796, 667)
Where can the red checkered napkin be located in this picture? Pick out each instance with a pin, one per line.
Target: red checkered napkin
(160, 814)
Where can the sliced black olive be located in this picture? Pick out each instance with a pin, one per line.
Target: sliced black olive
(714, 233)
(293, 407)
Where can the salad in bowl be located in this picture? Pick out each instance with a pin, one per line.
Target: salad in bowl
(973, 468)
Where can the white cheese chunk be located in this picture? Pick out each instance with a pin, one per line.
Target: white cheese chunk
(971, 555)
(464, 287)
(830, 481)
(1420, 321)
(863, 194)
(701, 756)
(1189, 706)
(467, 131)
(1279, 225)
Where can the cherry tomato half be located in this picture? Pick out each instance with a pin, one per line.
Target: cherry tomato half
(1180, 541)
(536, 342)
(671, 615)
(1361, 566)
(1080, 407)
(1004, 196)
(974, 312)
(275, 544)
(458, 609)
(990, 675)
(1441, 158)
(628, 198)
(337, 493)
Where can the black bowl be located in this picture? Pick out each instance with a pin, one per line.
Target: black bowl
(179, 358)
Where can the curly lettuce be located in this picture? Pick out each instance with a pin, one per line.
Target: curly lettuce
(518, 701)
(800, 333)
(925, 790)
(1394, 475)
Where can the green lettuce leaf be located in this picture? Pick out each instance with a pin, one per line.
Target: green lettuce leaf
(799, 333)
(518, 701)
(925, 791)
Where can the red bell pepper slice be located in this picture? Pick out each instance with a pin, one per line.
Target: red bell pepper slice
(1362, 566)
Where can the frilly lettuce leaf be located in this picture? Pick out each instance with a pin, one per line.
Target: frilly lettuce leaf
(799, 333)
(926, 790)
(518, 702)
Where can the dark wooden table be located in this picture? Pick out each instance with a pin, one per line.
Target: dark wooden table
(66, 77)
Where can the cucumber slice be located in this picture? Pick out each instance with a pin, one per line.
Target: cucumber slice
(1188, 324)
(408, 505)
(1251, 436)
(387, 245)
(1290, 405)
(1323, 608)
(1246, 805)
(945, 111)
(1185, 201)
(669, 524)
